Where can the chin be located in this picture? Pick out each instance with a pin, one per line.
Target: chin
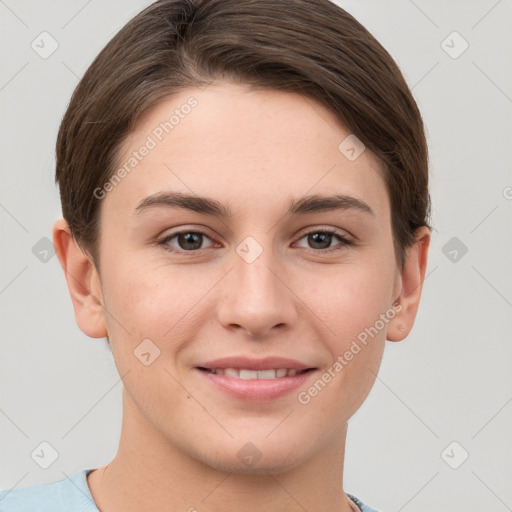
(269, 465)
(260, 458)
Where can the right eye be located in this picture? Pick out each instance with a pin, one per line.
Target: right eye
(187, 240)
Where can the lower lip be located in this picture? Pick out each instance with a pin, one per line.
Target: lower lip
(261, 390)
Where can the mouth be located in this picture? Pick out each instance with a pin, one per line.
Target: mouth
(256, 385)
(247, 374)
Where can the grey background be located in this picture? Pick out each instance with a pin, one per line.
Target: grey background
(450, 380)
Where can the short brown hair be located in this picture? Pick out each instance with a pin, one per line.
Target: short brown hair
(310, 47)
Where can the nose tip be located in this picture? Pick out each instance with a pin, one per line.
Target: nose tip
(255, 297)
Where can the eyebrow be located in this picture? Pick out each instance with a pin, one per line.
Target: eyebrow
(208, 206)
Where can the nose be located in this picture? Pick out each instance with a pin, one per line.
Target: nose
(258, 296)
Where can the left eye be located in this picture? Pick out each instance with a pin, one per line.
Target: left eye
(322, 239)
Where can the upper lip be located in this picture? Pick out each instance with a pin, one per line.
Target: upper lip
(246, 363)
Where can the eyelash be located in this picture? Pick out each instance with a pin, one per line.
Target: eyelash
(345, 241)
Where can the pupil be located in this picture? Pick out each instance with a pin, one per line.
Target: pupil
(187, 239)
(316, 238)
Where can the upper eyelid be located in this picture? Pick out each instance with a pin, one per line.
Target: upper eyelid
(320, 229)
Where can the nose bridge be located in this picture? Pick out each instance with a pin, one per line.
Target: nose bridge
(257, 299)
(253, 270)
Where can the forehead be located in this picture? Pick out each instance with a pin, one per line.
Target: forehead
(242, 146)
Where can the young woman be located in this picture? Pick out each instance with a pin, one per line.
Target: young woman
(244, 189)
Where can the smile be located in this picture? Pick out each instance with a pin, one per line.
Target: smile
(255, 385)
(255, 374)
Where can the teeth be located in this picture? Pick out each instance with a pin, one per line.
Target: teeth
(248, 374)
(255, 374)
(266, 374)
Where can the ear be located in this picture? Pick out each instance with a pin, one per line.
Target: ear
(410, 286)
(83, 281)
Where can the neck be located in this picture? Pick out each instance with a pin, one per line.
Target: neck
(150, 473)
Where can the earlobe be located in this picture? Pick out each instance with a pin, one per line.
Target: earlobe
(412, 277)
(83, 281)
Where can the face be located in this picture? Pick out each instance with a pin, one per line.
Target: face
(266, 268)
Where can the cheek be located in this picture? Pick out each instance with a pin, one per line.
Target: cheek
(349, 299)
(150, 298)
(147, 323)
(157, 302)
(350, 303)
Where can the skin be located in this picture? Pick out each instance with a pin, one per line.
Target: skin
(253, 151)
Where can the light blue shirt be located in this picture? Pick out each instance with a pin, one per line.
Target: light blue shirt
(69, 495)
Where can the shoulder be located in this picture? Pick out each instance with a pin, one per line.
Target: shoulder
(71, 494)
(360, 504)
